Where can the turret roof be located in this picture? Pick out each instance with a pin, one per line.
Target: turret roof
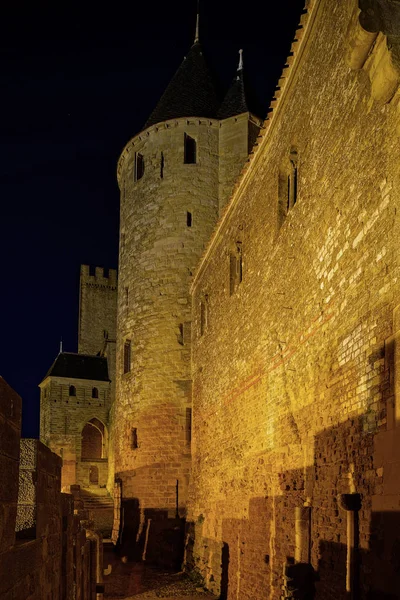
(238, 98)
(190, 93)
(79, 366)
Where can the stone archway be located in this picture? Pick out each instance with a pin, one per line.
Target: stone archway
(93, 440)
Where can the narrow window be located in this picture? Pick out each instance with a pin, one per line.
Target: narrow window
(134, 439)
(180, 335)
(162, 166)
(239, 262)
(287, 186)
(188, 425)
(189, 219)
(127, 356)
(95, 393)
(72, 390)
(232, 272)
(139, 166)
(190, 150)
(235, 268)
(292, 184)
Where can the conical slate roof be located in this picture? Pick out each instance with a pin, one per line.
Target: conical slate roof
(235, 102)
(239, 98)
(190, 93)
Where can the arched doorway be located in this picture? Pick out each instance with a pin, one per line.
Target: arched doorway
(93, 440)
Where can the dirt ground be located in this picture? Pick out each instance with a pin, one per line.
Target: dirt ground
(138, 581)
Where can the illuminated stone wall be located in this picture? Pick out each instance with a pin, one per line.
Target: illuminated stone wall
(236, 138)
(46, 551)
(158, 254)
(294, 377)
(62, 419)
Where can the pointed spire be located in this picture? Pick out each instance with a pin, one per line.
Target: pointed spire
(240, 67)
(61, 346)
(191, 92)
(196, 37)
(238, 98)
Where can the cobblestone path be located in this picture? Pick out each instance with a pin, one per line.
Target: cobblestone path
(138, 581)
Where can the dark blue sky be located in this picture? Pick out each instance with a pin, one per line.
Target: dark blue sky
(78, 80)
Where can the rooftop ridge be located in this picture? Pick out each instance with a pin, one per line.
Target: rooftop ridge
(302, 34)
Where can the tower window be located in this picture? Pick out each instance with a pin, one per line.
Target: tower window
(139, 166)
(235, 268)
(188, 425)
(190, 150)
(292, 180)
(134, 439)
(127, 356)
(95, 393)
(72, 390)
(189, 219)
(181, 334)
(162, 166)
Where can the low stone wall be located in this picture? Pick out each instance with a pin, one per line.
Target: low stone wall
(46, 551)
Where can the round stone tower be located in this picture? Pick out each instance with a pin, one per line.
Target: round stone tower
(174, 178)
(168, 177)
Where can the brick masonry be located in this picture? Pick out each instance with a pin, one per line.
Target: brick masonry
(294, 377)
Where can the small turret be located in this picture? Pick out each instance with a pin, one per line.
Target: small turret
(240, 126)
(191, 92)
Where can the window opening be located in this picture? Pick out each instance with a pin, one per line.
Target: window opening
(190, 150)
(181, 333)
(127, 356)
(139, 166)
(134, 439)
(95, 393)
(189, 219)
(189, 425)
(235, 268)
(162, 165)
(72, 390)
(292, 183)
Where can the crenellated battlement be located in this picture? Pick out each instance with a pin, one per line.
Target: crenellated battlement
(94, 275)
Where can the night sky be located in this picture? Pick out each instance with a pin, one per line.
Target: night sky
(79, 79)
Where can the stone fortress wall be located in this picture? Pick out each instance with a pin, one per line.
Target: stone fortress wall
(79, 388)
(62, 419)
(158, 253)
(296, 462)
(46, 549)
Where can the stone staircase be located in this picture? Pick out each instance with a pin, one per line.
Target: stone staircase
(95, 498)
(100, 505)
